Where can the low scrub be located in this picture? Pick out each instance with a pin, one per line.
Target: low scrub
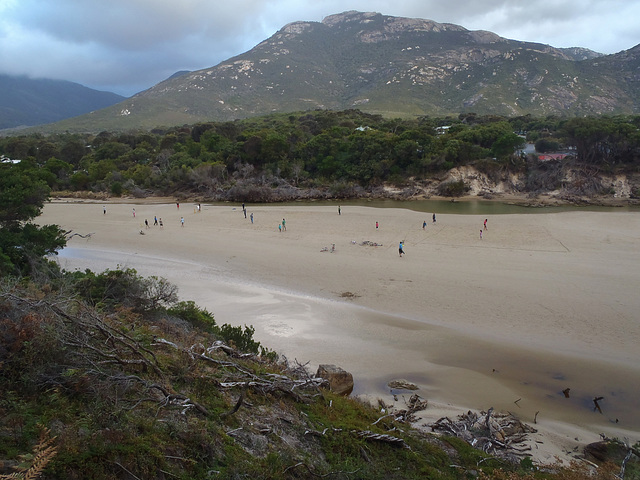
(455, 188)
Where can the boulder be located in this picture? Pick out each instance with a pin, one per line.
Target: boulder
(609, 450)
(340, 381)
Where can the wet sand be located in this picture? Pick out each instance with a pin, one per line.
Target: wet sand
(539, 304)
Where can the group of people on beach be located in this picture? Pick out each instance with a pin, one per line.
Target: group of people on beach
(158, 221)
(401, 251)
(282, 227)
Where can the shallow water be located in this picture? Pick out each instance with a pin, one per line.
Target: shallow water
(463, 207)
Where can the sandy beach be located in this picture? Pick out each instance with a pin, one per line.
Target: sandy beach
(540, 303)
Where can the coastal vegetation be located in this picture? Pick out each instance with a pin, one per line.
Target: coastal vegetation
(22, 243)
(110, 375)
(104, 377)
(334, 154)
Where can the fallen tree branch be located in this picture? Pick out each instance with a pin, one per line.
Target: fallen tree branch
(70, 235)
(496, 434)
(236, 407)
(382, 437)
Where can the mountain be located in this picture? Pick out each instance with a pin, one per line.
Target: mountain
(388, 65)
(26, 102)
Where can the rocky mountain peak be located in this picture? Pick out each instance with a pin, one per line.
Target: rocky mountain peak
(394, 66)
(350, 16)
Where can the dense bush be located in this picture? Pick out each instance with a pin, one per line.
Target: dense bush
(113, 289)
(545, 145)
(196, 316)
(454, 188)
(269, 158)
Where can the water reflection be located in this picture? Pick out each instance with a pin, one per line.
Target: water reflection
(459, 207)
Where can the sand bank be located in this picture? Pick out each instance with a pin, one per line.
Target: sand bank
(540, 303)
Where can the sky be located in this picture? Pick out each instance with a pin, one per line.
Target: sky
(126, 46)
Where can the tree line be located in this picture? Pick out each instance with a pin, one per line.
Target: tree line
(334, 150)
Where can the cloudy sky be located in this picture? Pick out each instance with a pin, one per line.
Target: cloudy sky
(126, 46)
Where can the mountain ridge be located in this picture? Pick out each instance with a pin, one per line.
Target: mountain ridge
(26, 102)
(394, 66)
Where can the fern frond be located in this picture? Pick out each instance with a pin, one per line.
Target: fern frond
(42, 454)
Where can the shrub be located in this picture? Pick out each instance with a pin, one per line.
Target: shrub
(239, 338)
(125, 288)
(196, 316)
(116, 189)
(454, 188)
(544, 145)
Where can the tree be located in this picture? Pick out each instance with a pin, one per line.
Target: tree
(22, 243)
(506, 144)
(544, 145)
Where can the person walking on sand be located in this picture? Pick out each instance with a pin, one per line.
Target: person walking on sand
(485, 223)
(104, 209)
(182, 221)
(146, 223)
(161, 225)
(280, 227)
(434, 218)
(251, 217)
(424, 224)
(480, 234)
(339, 210)
(284, 225)
(155, 220)
(134, 213)
(376, 225)
(178, 205)
(401, 248)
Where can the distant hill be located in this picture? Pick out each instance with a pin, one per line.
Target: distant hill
(179, 74)
(388, 65)
(26, 102)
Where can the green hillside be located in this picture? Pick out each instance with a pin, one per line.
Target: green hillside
(396, 67)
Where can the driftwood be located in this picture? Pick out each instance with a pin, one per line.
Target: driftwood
(382, 437)
(407, 415)
(501, 435)
(368, 243)
(70, 235)
(415, 404)
(365, 434)
(596, 405)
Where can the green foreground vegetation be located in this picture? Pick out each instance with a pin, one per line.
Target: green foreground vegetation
(110, 376)
(324, 154)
